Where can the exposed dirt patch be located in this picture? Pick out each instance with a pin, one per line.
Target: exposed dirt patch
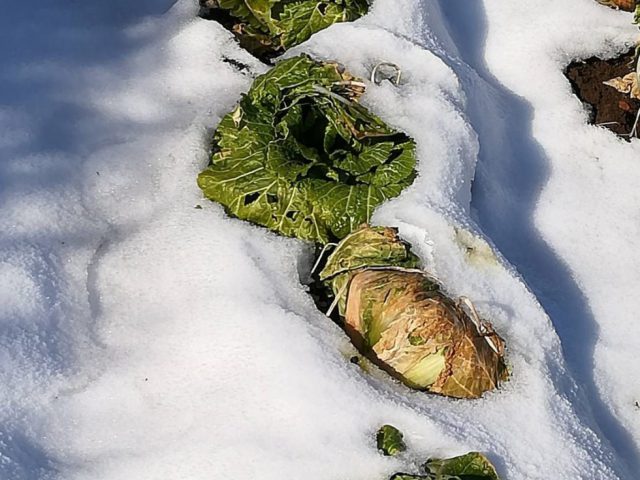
(609, 108)
(626, 5)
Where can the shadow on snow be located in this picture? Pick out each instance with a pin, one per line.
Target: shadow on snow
(512, 169)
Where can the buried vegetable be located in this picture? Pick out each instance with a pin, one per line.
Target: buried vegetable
(389, 440)
(399, 315)
(471, 466)
(300, 156)
(273, 26)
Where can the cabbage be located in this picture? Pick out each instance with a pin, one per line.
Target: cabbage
(399, 315)
(300, 156)
(276, 25)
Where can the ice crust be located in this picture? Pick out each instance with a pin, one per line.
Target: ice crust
(142, 337)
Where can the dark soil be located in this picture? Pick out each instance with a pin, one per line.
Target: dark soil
(608, 107)
(321, 294)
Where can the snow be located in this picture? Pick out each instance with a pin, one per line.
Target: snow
(141, 337)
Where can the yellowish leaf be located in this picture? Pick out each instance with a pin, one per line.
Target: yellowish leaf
(627, 84)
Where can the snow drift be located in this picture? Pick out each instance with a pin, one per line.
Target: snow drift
(141, 337)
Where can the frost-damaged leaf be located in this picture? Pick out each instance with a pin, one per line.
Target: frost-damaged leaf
(369, 247)
(471, 466)
(300, 156)
(365, 247)
(389, 440)
(282, 24)
(627, 84)
(400, 316)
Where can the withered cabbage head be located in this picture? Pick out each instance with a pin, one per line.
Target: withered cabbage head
(401, 318)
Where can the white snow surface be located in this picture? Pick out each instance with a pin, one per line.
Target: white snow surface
(143, 338)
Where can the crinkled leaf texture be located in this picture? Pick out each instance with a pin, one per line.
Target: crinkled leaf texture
(300, 156)
(389, 440)
(471, 466)
(365, 247)
(369, 247)
(282, 24)
(399, 315)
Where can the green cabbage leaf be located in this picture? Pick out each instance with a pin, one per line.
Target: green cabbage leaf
(390, 440)
(471, 466)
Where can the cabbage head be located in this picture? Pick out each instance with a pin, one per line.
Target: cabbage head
(301, 156)
(399, 315)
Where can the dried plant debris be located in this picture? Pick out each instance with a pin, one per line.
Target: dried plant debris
(301, 156)
(269, 27)
(400, 316)
(627, 84)
(594, 81)
(471, 466)
(390, 440)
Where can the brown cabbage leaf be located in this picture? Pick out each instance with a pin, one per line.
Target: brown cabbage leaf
(424, 336)
(399, 315)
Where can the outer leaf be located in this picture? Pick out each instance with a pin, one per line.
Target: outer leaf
(369, 247)
(292, 155)
(240, 10)
(300, 20)
(471, 466)
(365, 247)
(409, 325)
(389, 440)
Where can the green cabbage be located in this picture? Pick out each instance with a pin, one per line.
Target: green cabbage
(300, 156)
(277, 25)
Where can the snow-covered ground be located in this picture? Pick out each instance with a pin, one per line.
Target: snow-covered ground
(143, 338)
